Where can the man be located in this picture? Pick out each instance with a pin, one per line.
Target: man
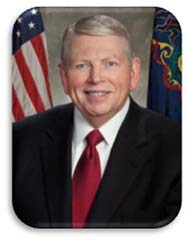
(102, 161)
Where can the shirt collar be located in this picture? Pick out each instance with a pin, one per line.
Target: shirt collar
(81, 127)
(109, 130)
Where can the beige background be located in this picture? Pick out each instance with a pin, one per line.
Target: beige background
(139, 22)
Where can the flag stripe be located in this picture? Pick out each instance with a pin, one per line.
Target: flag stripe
(38, 44)
(28, 81)
(18, 112)
(21, 91)
(31, 85)
(38, 76)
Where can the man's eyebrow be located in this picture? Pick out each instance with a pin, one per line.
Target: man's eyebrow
(111, 57)
(80, 60)
(86, 60)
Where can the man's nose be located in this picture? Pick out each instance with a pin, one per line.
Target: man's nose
(95, 74)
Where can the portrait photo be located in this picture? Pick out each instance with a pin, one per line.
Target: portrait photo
(97, 117)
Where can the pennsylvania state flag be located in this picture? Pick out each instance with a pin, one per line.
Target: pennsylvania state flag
(164, 90)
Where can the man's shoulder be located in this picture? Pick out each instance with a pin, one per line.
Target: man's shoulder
(153, 120)
(44, 120)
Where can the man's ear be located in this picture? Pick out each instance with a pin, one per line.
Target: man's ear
(135, 73)
(63, 77)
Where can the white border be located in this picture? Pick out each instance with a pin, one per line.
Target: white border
(11, 228)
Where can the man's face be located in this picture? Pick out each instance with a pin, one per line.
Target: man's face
(99, 76)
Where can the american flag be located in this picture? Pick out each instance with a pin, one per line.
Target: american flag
(31, 92)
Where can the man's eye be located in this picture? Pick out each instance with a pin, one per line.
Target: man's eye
(110, 63)
(82, 66)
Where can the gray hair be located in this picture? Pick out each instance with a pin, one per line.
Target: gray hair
(97, 25)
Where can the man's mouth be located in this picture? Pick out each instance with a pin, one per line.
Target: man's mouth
(97, 93)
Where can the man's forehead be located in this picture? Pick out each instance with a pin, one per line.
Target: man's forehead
(96, 54)
(84, 43)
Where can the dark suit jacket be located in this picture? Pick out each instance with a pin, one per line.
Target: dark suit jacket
(140, 186)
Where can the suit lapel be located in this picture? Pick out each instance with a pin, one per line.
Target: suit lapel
(128, 155)
(56, 166)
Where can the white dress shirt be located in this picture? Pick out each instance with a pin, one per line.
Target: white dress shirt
(109, 131)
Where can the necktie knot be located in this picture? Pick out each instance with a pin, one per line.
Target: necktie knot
(94, 137)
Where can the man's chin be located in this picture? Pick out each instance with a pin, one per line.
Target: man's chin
(98, 112)
(101, 114)
(97, 117)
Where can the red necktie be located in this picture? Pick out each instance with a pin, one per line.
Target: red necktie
(86, 180)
